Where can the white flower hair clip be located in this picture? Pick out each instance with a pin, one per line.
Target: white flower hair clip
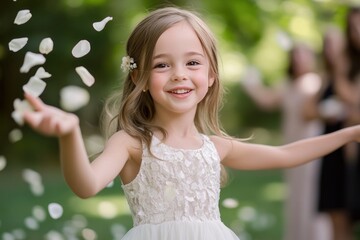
(128, 64)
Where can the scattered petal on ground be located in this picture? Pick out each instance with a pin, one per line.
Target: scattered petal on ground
(41, 73)
(17, 43)
(39, 213)
(73, 98)
(88, 234)
(118, 230)
(98, 26)
(86, 77)
(31, 223)
(55, 210)
(46, 46)
(2, 162)
(31, 59)
(20, 106)
(54, 235)
(81, 49)
(34, 180)
(15, 135)
(35, 86)
(19, 233)
(22, 17)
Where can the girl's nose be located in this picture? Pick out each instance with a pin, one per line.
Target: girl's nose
(179, 75)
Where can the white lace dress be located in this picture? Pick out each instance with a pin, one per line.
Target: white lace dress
(175, 195)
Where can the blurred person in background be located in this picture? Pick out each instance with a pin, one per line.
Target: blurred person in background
(329, 108)
(338, 106)
(291, 97)
(348, 88)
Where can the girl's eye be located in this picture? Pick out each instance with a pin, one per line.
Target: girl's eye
(161, 65)
(193, 63)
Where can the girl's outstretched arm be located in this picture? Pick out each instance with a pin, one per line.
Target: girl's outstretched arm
(83, 177)
(240, 155)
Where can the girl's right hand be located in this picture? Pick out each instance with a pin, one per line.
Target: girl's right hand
(49, 120)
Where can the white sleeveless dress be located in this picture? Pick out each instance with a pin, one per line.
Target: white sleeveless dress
(175, 195)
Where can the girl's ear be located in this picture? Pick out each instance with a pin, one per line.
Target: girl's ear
(211, 79)
(133, 76)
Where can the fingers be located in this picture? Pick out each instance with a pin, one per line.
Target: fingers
(35, 102)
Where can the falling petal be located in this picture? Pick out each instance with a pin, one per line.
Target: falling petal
(15, 135)
(37, 189)
(46, 46)
(17, 43)
(41, 73)
(35, 86)
(31, 176)
(86, 77)
(2, 162)
(73, 98)
(32, 59)
(81, 49)
(230, 203)
(98, 26)
(39, 213)
(22, 17)
(55, 210)
(20, 107)
(31, 223)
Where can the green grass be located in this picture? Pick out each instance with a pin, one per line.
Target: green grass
(258, 214)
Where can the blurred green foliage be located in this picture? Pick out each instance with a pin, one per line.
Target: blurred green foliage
(249, 33)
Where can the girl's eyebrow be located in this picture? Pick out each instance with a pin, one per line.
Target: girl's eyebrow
(191, 53)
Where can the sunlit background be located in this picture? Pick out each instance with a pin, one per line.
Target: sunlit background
(35, 202)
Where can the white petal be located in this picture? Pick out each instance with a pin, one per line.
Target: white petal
(46, 46)
(73, 98)
(31, 59)
(18, 117)
(2, 162)
(31, 223)
(86, 77)
(35, 86)
(98, 26)
(55, 210)
(41, 73)
(17, 43)
(81, 49)
(230, 203)
(20, 107)
(39, 213)
(15, 135)
(30, 176)
(22, 17)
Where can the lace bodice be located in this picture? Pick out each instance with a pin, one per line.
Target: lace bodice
(175, 184)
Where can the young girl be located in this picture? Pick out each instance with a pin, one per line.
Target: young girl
(168, 146)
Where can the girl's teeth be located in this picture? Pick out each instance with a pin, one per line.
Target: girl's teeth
(181, 91)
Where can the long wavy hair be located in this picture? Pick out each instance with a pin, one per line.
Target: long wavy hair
(132, 109)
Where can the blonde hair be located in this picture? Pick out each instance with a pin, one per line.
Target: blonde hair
(132, 109)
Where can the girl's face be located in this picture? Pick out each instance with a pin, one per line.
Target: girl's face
(179, 77)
